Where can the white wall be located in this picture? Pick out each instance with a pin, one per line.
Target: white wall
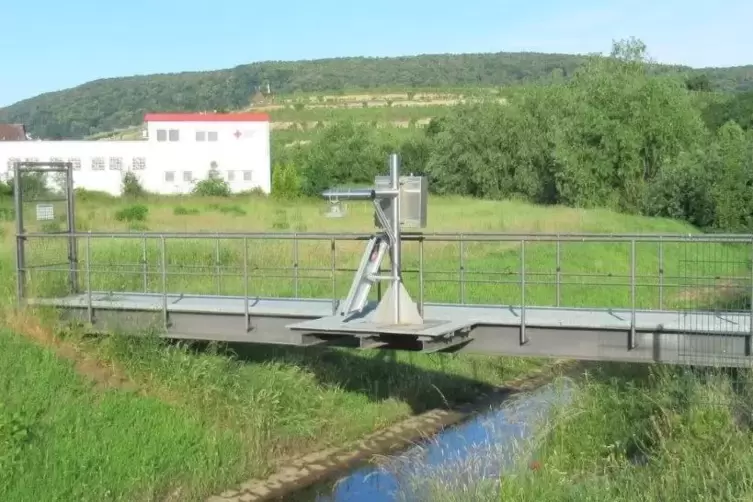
(208, 132)
(151, 161)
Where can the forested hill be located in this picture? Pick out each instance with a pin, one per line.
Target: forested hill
(107, 104)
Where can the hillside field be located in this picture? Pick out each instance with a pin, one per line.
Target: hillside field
(125, 419)
(111, 104)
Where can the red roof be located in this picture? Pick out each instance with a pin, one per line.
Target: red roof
(206, 117)
(12, 132)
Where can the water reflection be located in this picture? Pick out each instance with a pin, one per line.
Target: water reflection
(474, 451)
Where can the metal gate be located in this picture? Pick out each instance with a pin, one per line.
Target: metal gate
(44, 204)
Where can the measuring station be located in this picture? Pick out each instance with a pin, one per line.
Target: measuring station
(47, 242)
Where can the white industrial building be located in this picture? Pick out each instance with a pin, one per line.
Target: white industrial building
(178, 150)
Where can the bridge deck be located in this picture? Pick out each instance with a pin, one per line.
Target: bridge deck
(604, 334)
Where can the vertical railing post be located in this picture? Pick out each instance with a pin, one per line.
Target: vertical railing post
(661, 273)
(749, 338)
(295, 265)
(421, 276)
(462, 270)
(217, 269)
(558, 269)
(245, 285)
(334, 278)
(631, 334)
(523, 337)
(20, 237)
(89, 308)
(144, 265)
(163, 262)
(72, 240)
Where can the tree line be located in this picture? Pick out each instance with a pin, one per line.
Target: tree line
(616, 135)
(108, 104)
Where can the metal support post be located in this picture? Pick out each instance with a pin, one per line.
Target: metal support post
(295, 265)
(89, 309)
(523, 337)
(20, 238)
(661, 274)
(245, 285)
(558, 270)
(749, 338)
(631, 334)
(334, 279)
(163, 253)
(462, 270)
(396, 243)
(72, 241)
(217, 269)
(421, 276)
(144, 265)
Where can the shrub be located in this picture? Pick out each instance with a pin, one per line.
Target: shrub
(6, 189)
(213, 185)
(184, 211)
(286, 183)
(135, 212)
(84, 195)
(132, 186)
(7, 214)
(234, 209)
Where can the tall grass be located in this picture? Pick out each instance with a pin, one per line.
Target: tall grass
(570, 274)
(635, 434)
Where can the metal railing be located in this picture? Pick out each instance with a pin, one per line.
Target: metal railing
(627, 271)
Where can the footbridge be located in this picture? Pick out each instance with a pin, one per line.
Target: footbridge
(676, 299)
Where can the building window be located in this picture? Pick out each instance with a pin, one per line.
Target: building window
(138, 163)
(98, 163)
(161, 135)
(201, 136)
(31, 159)
(12, 163)
(54, 160)
(247, 175)
(169, 176)
(231, 175)
(187, 176)
(212, 136)
(116, 164)
(76, 163)
(174, 135)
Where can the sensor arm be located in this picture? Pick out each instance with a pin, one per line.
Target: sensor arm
(359, 193)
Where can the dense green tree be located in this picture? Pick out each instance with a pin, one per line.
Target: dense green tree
(619, 125)
(699, 83)
(732, 191)
(737, 108)
(346, 153)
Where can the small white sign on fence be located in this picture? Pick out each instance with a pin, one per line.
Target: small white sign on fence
(45, 212)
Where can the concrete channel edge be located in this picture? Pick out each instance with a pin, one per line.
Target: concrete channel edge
(306, 470)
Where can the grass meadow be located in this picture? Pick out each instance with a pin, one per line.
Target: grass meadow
(139, 419)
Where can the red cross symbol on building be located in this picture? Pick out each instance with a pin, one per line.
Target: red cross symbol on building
(237, 134)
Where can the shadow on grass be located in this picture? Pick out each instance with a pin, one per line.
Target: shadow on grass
(423, 381)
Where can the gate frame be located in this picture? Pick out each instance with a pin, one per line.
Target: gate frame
(65, 168)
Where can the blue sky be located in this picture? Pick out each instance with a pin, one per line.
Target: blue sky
(49, 45)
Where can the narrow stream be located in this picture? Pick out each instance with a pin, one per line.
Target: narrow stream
(476, 450)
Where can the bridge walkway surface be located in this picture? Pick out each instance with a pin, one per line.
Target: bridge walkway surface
(588, 334)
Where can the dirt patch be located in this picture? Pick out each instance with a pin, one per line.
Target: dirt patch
(103, 375)
(723, 293)
(304, 471)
